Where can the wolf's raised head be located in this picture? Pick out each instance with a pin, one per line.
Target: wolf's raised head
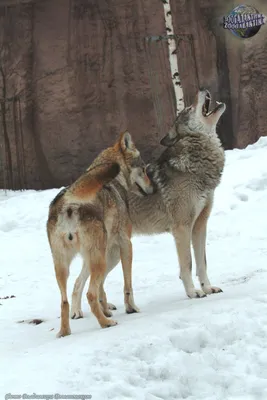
(197, 118)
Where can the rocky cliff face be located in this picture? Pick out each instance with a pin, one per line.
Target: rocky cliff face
(78, 72)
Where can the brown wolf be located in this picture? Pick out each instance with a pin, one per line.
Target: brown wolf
(91, 217)
(185, 177)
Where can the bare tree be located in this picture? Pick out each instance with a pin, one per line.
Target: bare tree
(174, 65)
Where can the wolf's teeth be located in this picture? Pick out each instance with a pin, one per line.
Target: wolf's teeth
(218, 102)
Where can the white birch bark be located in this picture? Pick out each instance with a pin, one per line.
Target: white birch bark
(178, 90)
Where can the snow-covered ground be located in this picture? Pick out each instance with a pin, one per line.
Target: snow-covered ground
(213, 348)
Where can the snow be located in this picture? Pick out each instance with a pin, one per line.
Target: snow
(213, 348)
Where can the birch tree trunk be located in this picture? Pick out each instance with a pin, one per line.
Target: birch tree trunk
(178, 90)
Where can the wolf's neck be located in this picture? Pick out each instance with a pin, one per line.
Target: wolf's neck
(121, 179)
(122, 188)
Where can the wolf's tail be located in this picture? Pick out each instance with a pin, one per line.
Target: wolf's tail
(92, 182)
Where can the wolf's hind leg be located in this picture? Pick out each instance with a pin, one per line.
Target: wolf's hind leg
(95, 257)
(98, 268)
(62, 263)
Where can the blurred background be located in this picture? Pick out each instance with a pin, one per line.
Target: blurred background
(75, 73)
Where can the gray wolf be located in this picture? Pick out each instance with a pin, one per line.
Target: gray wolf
(185, 177)
(91, 217)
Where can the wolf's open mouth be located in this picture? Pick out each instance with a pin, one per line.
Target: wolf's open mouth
(206, 106)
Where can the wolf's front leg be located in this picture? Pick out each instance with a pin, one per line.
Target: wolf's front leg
(126, 261)
(199, 244)
(76, 306)
(182, 236)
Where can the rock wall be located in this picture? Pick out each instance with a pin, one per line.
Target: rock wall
(78, 72)
(87, 74)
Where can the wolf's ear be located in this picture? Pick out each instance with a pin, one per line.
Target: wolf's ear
(127, 143)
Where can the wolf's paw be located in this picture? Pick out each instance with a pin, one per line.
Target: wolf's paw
(63, 332)
(111, 306)
(76, 314)
(195, 293)
(107, 313)
(130, 309)
(211, 289)
(108, 323)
